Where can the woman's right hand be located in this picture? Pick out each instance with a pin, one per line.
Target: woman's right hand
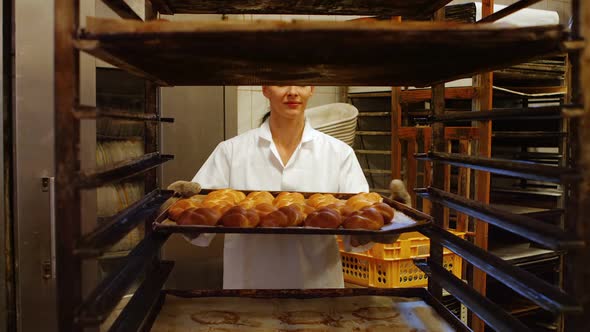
(399, 193)
(185, 188)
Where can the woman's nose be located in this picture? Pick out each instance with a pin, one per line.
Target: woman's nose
(292, 90)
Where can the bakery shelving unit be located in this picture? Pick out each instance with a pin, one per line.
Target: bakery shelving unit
(173, 53)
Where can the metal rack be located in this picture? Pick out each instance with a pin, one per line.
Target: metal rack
(74, 313)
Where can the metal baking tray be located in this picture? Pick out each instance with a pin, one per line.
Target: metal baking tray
(406, 219)
(421, 293)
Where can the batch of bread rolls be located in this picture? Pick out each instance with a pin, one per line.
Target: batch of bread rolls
(232, 208)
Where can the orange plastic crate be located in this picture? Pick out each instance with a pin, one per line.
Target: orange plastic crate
(412, 244)
(391, 265)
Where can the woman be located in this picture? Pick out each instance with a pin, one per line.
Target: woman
(284, 154)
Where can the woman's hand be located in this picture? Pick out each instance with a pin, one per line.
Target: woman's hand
(398, 192)
(185, 188)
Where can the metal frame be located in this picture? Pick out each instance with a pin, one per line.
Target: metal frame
(68, 200)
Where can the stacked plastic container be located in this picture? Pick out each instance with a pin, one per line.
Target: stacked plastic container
(391, 265)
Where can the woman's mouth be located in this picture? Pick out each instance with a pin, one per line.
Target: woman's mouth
(292, 104)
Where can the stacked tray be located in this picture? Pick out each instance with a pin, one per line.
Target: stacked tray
(406, 219)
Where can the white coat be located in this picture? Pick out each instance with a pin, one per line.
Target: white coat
(251, 161)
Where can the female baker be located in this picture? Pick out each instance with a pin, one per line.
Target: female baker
(284, 154)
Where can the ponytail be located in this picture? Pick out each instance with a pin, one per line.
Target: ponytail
(266, 116)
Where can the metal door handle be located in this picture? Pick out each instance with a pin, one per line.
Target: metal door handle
(49, 186)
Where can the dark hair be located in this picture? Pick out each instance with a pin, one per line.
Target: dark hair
(266, 116)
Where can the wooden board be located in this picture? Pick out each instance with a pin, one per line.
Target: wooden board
(310, 294)
(317, 7)
(318, 53)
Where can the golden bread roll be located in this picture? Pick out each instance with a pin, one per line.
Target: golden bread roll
(285, 216)
(324, 218)
(303, 208)
(342, 208)
(230, 195)
(274, 219)
(362, 200)
(264, 209)
(221, 205)
(255, 198)
(199, 216)
(261, 196)
(237, 216)
(386, 211)
(287, 198)
(366, 218)
(318, 201)
(179, 206)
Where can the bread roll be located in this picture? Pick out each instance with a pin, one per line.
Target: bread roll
(366, 218)
(274, 219)
(303, 208)
(362, 200)
(324, 218)
(287, 198)
(286, 216)
(230, 195)
(342, 208)
(318, 201)
(261, 197)
(237, 216)
(255, 198)
(199, 216)
(386, 211)
(264, 209)
(180, 206)
(220, 205)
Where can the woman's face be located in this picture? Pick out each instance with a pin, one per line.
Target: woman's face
(288, 101)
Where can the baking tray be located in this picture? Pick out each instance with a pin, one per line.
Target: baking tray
(420, 293)
(408, 220)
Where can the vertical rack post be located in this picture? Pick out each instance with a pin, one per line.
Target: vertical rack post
(67, 138)
(438, 180)
(396, 123)
(482, 102)
(152, 129)
(438, 169)
(577, 195)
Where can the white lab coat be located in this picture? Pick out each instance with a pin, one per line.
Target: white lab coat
(251, 161)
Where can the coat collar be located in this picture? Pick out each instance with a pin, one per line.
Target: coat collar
(308, 132)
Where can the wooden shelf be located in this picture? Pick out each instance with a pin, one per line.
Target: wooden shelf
(318, 53)
(376, 171)
(322, 7)
(378, 152)
(374, 114)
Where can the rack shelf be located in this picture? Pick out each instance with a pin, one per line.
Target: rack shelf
(91, 112)
(146, 300)
(123, 170)
(320, 53)
(525, 170)
(327, 7)
(548, 235)
(96, 242)
(105, 297)
(526, 284)
(490, 312)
